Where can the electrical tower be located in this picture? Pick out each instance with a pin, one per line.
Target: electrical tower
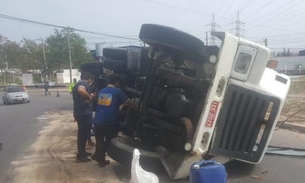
(238, 25)
(213, 26)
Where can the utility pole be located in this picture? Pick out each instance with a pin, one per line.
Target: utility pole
(239, 26)
(266, 42)
(206, 38)
(44, 58)
(70, 60)
(6, 68)
(213, 26)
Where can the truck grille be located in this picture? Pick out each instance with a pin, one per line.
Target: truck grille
(245, 122)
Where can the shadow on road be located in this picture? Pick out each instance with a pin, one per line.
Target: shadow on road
(237, 169)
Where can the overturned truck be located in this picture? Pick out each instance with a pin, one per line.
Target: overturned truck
(195, 101)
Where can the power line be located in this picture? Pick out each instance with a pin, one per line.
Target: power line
(246, 5)
(280, 8)
(227, 9)
(279, 13)
(273, 28)
(174, 7)
(290, 39)
(275, 35)
(240, 9)
(259, 9)
(289, 47)
(292, 15)
(222, 3)
(22, 20)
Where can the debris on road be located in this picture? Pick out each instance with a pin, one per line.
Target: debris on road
(257, 177)
(138, 175)
(265, 172)
(285, 151)
(287, 119)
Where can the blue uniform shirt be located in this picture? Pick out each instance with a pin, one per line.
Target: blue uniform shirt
(109, 101)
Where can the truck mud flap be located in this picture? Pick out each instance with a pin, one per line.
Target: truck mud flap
(246, 121)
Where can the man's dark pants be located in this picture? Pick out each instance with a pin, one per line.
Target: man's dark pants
(84, 126)
(103, 136)
(46, 91)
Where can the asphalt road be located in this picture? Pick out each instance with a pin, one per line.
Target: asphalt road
(273, 168)
(19, 126)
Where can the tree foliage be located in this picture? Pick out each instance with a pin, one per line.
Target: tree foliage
(58, 50)
(28, 54)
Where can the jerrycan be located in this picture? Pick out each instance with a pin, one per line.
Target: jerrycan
(208, 172)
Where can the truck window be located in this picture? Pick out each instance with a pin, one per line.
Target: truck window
(243, 62)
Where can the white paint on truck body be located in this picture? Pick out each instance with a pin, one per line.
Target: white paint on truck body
(242, 63)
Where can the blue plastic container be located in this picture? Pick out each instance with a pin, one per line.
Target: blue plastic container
(208, 172)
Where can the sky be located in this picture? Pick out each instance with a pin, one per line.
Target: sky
(282, 22)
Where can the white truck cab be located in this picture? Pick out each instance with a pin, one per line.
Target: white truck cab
(242, 106)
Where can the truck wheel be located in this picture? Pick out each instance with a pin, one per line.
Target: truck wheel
(93, 67)
(121, 150)
(172, 38)
(115, 53)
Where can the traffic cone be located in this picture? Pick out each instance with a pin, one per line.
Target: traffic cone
(58, 95)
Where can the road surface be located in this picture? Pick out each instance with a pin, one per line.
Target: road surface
(19, 126)
(49, 156)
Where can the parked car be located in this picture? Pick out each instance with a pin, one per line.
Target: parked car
(42, 84)
(15, 94)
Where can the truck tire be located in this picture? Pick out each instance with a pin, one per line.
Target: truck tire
(121, 150)
(93, 67)
(115, 53)
(172, 38)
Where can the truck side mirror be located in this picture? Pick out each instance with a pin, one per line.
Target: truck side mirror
(272, 64)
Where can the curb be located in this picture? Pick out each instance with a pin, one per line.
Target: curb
(51, 90)
(292, 126)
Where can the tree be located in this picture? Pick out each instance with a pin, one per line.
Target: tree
(58, 50)
(10, 56)
(32, 55)
(2, 52)
(12, 53)
(288, 52)
(28, 55)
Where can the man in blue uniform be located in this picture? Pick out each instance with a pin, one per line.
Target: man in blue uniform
(106, 120)
(82, 112)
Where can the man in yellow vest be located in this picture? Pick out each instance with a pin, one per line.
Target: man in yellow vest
(71, 86)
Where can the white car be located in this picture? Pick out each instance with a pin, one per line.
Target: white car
(15, 94)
